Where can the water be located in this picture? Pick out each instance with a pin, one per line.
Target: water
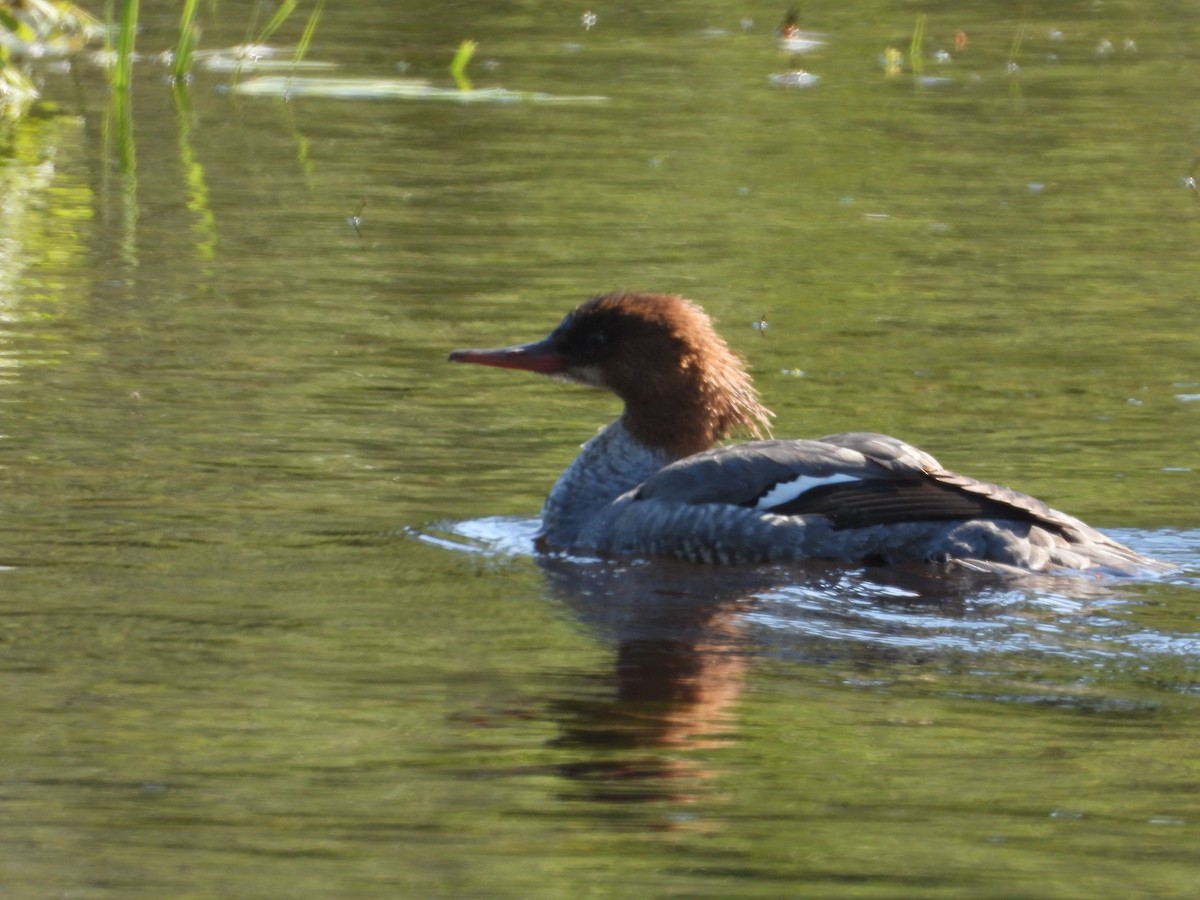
(270, 622)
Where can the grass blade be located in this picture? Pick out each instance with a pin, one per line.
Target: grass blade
(189, 34)
(458, 65)
(309, 30)
(281, 15)
(915, 60)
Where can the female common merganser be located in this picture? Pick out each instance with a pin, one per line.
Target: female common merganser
(651, 483)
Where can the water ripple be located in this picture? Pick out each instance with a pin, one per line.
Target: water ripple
(819, 611)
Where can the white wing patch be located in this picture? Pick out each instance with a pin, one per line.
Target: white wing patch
(787, 491)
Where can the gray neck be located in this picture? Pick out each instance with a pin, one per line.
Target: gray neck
(609, 464)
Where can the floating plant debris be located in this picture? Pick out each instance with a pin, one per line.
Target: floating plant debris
(392, 89)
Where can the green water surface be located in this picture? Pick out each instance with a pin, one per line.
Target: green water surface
(269, 621)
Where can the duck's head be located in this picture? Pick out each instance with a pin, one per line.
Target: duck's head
(683, 388)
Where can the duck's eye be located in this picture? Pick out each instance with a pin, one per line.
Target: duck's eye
(596, 341)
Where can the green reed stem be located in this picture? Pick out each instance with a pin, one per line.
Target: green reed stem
(915, 50)
(188, 37)
(310, 29)
(281, 15)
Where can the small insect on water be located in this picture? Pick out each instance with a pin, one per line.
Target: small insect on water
(760, 325)
(1190, 181)
(356, 219)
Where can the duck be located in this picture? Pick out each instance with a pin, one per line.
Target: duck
(659, 482)
(793, 39)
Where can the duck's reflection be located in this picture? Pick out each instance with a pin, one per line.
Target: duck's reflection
(681, 656)
(685, 636)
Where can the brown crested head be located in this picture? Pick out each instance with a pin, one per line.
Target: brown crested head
(683, 388)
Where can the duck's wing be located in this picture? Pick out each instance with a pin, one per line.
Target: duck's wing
(855, 480)
(855, 497)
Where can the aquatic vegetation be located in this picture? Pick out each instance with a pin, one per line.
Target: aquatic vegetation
(255, 59)
(458, 65)
(35, 29)
(39, 28)
(392, 89)
(893, 62)
(915, 60)
(290, 86)
(17, 92)
(255, 54)
(310, 29)
(189, 36)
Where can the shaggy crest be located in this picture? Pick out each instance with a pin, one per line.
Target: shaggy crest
(700, 392)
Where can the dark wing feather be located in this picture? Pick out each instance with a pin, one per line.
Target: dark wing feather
(741, 474)
(859, 504)
(894, 483)
(942, 494)
(855, 481)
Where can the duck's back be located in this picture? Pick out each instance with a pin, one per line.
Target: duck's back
(858, 497)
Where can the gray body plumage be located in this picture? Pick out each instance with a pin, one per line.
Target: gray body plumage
(620, 498)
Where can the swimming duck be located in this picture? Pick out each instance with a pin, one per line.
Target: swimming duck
(655, 483)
